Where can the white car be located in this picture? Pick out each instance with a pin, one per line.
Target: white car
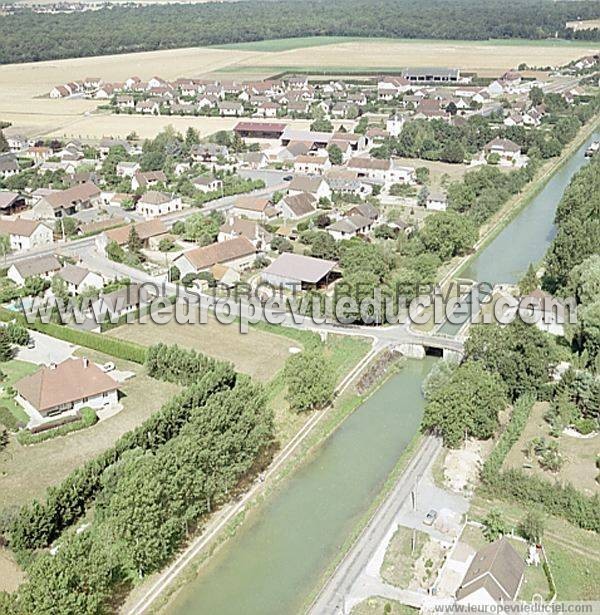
(108, 367)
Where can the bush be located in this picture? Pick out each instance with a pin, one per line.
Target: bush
(8, 419)
(585, 426)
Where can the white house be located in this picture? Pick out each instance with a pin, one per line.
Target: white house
(207, 184)
(42, 266)
(238, 254)
(312, 165)
(80, 279)
(26, 234)
(315, 185)
(154, 203)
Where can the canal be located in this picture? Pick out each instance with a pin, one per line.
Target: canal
(279, 554)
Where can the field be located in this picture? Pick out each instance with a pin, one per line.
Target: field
(580, 454)
(256, 353)
(24, 87)
(584, 24)
(376, 606)
(15, 370)
(27, 471)
(398, 564)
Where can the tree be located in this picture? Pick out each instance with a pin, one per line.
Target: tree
(536, 95)
(310, 380)
(494, 526)
(533, 525)
(529, 282)
(468, 405)
(65, 227)
(34, 285)
(448, 234)
(5, 247)
(174, 273)
(422, 174)
(3, 143)
(134, 243)
(336, 156)
(322, 125)
(423, 196)
(6, 351)
(281, 245)
(59, 288)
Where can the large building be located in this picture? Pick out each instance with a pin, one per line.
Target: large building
(298, 272)
(431, 75)
(259, 130)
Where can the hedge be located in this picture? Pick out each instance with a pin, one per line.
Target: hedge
(120, 349)
(86, 417)
(555, 498)
(38, 524)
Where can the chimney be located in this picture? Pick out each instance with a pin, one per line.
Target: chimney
(85, 362)
(52, 365)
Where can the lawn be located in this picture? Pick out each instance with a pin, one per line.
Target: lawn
(534, 582)
(398, 563)
(579, 454)
(286, 44)
(376, 606)
(573, 553)
(260, 354)
(15, 370)
(27, 471)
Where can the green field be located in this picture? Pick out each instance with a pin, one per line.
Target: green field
(287, 44)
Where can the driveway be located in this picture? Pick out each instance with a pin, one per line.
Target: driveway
(47, 350)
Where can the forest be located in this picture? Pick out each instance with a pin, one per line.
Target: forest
(27, 36)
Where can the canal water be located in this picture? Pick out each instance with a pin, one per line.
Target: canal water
(279, 555)
(524, 240)
(277, 558)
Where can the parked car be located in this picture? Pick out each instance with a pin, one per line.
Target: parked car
(108, 367)
(430, 517)
(31, 343)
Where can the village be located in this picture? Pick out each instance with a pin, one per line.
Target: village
(390, 179)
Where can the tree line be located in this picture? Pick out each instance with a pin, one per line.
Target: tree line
(27, 36)
(149, 490)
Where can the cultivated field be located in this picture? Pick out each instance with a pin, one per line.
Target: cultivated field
(24, 87)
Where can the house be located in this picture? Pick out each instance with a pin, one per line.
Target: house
(436, 201)
(547, 312)
(349, 227)
(149, 107)
(366, 210)
(255, 160)
(125, 102)
(60, 91)
(299, 272)
(147, 179)
(208, 152)
(312, 165)
(11, 203)
(67, 202)
(8, 165)
(508, 151)
(127, 169)
(295, 206)
(207, 184)
(43, 266)
(255, 208)
(315, 185)
(80, 279)
(26, 234)
(154, 203)
(230, 109)
(268, 109)
(494, 576)
(150, 233)
(394, 124)
(386, 171)
(345, 181)
(238, 254)
(68, 386)
(241, 227)
(118, 303)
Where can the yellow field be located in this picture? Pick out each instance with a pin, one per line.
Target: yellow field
(24, 87)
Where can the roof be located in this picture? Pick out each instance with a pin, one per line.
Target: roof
(75, 194)
(240, 226)
(69, 381)
(8, 198)
(300, 204)
(153, 197)
(145, 230)
(222, 252)
(20, 226)
(251, 203)
(125, 296)
(260, 127)
(300, 268)
(73, 274)
(37, 265)
(306, 135)
(429, 71)
(368, 163)
(143, 177)
(304, 183)
(498, 568)
(351, 224)
(505, 144)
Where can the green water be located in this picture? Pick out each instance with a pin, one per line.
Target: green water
(524, 240)
(277, 557)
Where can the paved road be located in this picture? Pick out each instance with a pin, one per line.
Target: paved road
(332, 597)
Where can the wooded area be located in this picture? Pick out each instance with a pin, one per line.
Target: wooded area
(27, 36)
